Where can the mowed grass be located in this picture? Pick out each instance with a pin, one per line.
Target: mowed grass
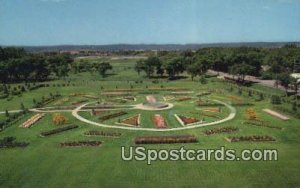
(44, 164)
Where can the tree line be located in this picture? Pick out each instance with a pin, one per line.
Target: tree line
(271, 63)
(17, 65)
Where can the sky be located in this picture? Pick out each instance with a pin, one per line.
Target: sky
(98, 22)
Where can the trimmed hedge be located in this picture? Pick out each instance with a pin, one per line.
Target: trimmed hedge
(8, 142)
(58, 130)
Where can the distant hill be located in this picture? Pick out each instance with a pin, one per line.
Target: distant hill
(168, 47)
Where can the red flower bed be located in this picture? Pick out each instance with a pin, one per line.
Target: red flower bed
(159, 121)
(184, 99)
(132, 121)
(165, 139)
(98, 112)
(188, 120)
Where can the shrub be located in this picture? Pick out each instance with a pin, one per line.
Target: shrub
(294, 106)
(250, 93)
(275, 99)
(203, 80)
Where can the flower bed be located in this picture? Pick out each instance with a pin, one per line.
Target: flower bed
(251, 114)
(58, 130)
(250, 139)
(114, 115)
(59, 119)
(131, 121)
(159, 121)
(220, 130)
(242, 104)
(202, 94)
(131, 98)
(262, 124)
(168, 98)
(234, 98)
(186, 120)
(276, 114)
(90, 96)
(184, 99)
(182, 92)
(213, 110)
(32, 120)
(165, 139)
(102, 133)
(80, 144)
(77, 94)
(207, 103)
(117, 100)
(98, 112)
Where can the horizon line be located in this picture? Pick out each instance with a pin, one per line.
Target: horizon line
(113, 44)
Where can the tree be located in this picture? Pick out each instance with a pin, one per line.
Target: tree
(198, 68)
(175, 67)
(23, 108)
(192, 70)
(284, 80)
(103, 68)
(7, 113)
(275, 99)
(60, 65)
(295, 83)
(139, 66)
(241, 70)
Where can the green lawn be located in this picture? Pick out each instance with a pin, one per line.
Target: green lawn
(44, 164)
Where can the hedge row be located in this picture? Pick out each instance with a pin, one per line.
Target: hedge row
(58, 130)
(8, 142)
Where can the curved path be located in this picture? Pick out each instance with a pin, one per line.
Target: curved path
(231, 116)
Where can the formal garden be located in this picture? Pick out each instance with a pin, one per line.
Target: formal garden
(71, 128)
